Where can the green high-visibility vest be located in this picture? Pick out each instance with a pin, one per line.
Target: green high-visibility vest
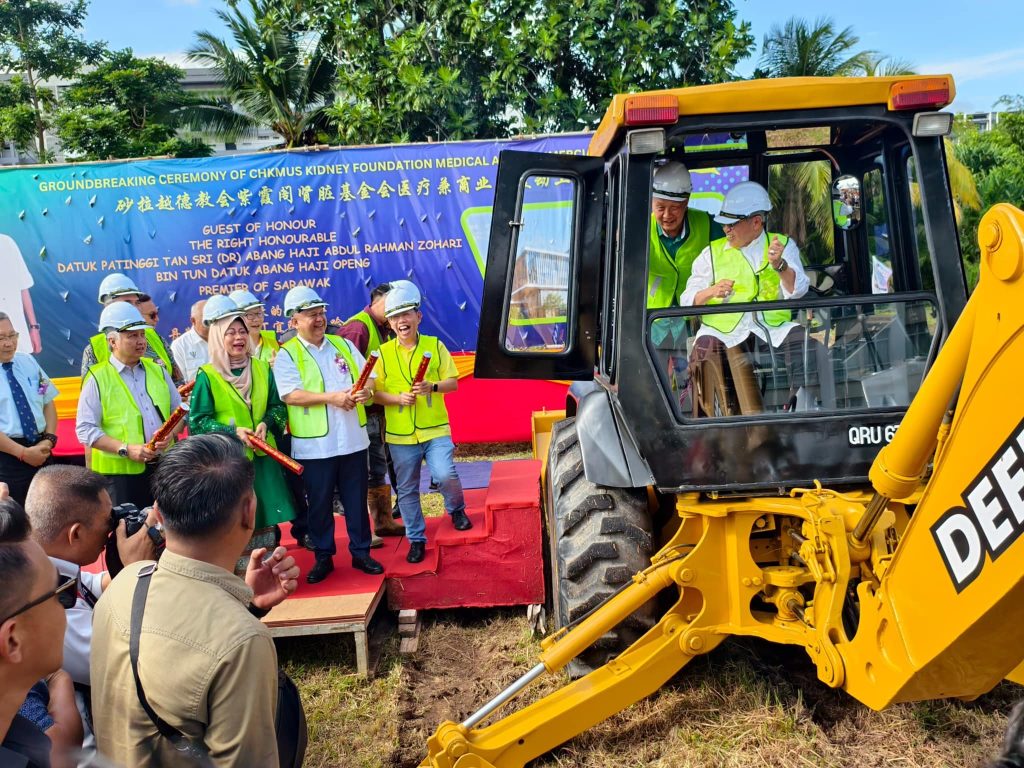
(398, 378)
(101, 348)
(311, 420)
(763, 285)
(229, 407)
(268, 346)
(841, 219)
(667, 273)
(375, 339)
(122, 419)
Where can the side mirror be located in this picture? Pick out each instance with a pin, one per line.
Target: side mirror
(846, 203)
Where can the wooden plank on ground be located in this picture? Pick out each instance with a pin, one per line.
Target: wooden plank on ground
(327, 609)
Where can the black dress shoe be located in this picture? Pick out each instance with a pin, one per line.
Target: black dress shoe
(461, 521)
(307, 543)
(417, 549)
(367, 565)
(320, 570)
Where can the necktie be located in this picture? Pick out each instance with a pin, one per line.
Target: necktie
(28, 421)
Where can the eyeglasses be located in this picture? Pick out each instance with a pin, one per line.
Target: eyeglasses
(153, 315)
(312, 313)
(255, 314)
(230, 333)
(736, 223)
(9, 336)
(63, 592)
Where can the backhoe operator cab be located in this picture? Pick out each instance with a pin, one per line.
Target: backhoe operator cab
(855, 172)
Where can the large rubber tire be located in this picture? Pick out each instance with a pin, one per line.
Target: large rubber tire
(598, 538)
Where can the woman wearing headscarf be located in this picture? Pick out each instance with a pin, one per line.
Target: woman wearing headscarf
(235, 394)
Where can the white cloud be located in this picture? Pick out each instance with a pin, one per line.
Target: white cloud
(983, 67)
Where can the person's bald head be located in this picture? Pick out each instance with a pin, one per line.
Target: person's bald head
(197, 319)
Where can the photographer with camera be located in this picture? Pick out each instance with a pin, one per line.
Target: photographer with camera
(185, 630)
(70, 512)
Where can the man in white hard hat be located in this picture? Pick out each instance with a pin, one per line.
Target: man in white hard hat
(747, 265)
(115, 288)
(416, 420)
(189, 349)
(678, 234)
(124, 401)
(315, 372)
(367, 330)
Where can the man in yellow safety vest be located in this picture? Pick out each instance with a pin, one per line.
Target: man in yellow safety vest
(748, 265)
(125, 399)
(415, 417)
(315, 372)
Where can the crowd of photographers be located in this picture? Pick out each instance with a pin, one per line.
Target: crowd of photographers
(166, 663)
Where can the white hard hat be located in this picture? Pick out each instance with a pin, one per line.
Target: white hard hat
(672, 182)
(121, 316)
(117, 285)
(301, 298)
(402, 297)
(245, 300)
(218, 307)
(744, 199)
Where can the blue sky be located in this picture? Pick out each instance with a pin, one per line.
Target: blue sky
(979, 41)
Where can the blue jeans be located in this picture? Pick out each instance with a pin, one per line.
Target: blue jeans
(440, 456)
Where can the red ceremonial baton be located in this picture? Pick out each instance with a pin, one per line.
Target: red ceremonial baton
(168, 426)
(285, 461)
(367, 370)
(421, 372)
(186, 389)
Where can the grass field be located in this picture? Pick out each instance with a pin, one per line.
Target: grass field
(746, 704)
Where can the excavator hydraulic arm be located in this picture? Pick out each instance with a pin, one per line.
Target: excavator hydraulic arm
(888, 608)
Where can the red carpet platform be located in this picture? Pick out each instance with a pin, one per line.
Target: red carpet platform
(497, 562)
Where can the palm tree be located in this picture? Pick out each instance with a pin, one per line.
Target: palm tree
(276, 74)
(800, 49)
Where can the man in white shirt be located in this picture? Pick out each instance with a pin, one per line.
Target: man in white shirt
(15, 299)
(190, 350)
(747, 265)
(315, 372)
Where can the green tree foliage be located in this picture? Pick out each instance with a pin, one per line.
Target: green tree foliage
(126, 107)
(40, 39)
(414, 70)
(276, 71)
(17, 117)
(799, 48)
(996, 159)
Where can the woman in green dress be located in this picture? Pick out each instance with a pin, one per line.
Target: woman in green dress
(236, 394)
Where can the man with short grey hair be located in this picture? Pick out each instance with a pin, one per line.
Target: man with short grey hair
(28, 417)
(190, 350)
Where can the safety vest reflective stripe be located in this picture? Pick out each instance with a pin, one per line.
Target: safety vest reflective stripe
(122, 419)
(311, 420)
(229, 407)
(101, 348)
(748, 286)
(268, 346)
(426, 413)
(371, 327)
(666, 273)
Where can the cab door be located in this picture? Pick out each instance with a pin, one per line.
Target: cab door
(539, 310)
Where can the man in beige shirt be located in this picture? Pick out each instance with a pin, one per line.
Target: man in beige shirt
(207, 665)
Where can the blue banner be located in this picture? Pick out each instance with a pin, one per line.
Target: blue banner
(339, 220)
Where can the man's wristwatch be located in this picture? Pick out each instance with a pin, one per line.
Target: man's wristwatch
(783, 266)
(34, 326)
(435, 388)
(123, 451)
(49, 436)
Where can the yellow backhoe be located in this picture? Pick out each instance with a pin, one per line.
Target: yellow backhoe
(870, 512)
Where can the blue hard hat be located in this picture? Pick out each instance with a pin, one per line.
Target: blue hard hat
(121, 316)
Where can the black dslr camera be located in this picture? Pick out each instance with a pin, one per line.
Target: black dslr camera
(134, 519)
